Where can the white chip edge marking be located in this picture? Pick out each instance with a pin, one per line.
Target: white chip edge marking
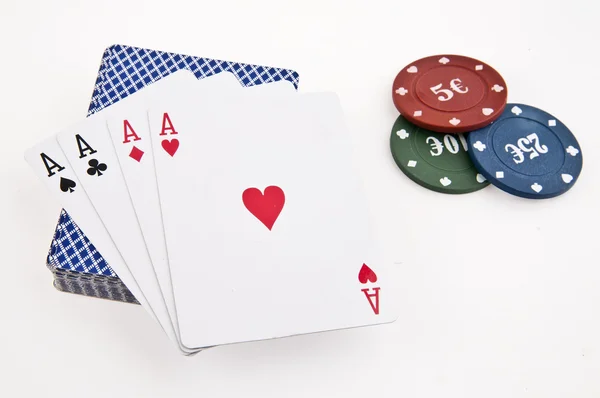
(402, 134)
(571, 150)
(480, 146)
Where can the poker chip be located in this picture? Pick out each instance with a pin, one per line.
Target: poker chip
(449, 93)
(527, 152)
(433, 160)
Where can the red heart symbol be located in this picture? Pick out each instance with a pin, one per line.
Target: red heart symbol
(366, 274)
(264, 207)
(170, 146)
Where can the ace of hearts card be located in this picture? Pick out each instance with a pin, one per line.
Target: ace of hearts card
(268, 234)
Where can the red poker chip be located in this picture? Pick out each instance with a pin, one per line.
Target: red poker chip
(449, 93)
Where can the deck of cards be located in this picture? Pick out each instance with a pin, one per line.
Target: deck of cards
(231, 213)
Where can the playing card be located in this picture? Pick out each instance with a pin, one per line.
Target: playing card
(50, 165)
(89, 149)
(125, 69)
(266, 224)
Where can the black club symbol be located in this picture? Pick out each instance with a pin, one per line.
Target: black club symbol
(96, 167)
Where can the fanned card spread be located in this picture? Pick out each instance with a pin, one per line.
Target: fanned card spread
(232, 212)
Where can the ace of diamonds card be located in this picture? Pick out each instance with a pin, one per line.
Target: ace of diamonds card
(266, 223)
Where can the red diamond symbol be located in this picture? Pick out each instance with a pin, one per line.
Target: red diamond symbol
(136, 153)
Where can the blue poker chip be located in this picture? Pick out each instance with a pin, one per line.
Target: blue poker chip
(527, 152)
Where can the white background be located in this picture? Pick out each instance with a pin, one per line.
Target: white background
(500, 294)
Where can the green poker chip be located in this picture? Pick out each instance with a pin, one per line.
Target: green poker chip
(436, 161)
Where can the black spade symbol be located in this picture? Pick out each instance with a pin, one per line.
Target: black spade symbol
(67, 185)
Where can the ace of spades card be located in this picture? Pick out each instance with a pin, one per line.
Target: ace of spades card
(53, 168)
(266, 223)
